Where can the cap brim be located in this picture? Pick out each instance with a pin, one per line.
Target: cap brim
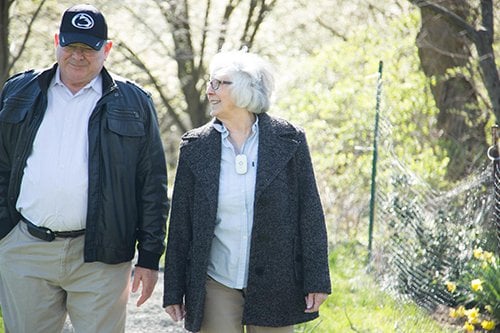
(71, 38)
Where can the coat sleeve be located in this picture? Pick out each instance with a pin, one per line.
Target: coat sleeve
(152, 175)
(5, 166)
(314, 240)
(179, 234)
(11, 118)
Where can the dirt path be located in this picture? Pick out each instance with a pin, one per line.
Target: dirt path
(149, 318)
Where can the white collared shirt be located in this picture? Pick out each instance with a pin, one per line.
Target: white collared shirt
(55, 180)
(230, 252)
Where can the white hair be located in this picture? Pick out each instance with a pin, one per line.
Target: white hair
(252, 77)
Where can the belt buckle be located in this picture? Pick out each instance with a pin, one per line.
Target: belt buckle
(41, 232)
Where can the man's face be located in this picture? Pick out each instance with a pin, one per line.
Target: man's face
(79, 63)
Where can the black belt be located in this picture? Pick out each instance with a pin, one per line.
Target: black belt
(48, 235)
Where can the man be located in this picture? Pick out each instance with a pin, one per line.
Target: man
(82, 181)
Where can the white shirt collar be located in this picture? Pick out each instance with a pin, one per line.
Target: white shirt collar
(219, 126)
(95, 84)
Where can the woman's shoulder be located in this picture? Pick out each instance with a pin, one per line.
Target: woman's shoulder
(280, 125)
(196, 134)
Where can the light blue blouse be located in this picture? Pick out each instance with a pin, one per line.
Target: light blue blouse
(230, 252)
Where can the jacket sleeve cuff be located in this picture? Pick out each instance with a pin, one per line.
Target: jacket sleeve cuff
(148, 260)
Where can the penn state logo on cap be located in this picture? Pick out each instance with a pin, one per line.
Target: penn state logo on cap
(82, 21)
(83, 24)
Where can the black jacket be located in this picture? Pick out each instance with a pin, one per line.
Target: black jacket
(127, 193)
(288, 254)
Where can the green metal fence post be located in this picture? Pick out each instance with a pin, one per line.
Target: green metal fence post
(374, 161)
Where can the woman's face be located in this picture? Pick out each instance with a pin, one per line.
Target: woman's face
(219, 97)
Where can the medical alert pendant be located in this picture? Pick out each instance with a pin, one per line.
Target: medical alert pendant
(240, 162)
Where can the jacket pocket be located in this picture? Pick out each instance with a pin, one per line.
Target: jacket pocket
(15, 109)
(126, 127)
(298, 260)
(125, 122)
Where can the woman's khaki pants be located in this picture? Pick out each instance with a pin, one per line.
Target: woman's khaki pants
(224, 311)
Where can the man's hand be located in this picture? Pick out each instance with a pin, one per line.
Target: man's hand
(313, 301)
(148, 277)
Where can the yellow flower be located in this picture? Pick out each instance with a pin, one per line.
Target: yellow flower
(476, 285)
(460, 312)
(487, 256)
(478, 252)
(489, 308)
(451, 286)
(468, 327)
(488, 325)
(492, 260)
(453, 313)
(472, 314)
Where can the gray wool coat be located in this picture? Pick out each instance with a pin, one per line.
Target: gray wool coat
(288, 254)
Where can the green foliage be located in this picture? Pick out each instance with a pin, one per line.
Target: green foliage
(333, 98)
(357, 304)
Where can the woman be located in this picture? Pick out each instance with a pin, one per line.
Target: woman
(247, 241)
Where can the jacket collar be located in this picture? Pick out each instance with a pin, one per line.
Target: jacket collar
(46, 76)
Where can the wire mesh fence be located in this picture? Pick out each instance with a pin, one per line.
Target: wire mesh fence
(424, 236)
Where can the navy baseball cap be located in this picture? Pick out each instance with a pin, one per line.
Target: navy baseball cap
(83, 24)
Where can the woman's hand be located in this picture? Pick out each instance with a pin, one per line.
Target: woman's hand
(177, 311)
(313, 301)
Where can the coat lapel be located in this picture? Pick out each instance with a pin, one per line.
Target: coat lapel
(276, 147)
(205, 161)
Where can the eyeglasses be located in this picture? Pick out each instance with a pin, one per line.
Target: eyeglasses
(79, 48)
(215, 83)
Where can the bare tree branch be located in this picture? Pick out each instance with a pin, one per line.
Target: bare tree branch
(136, 60)
(4, 39)
(330, 29)
(225, 21)
(191, 59)
(8, 60)
(149, 28)
(177, 17)
(248, 37)
(200, 70)
(26, 36)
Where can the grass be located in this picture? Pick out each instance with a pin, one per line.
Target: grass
(357, 303)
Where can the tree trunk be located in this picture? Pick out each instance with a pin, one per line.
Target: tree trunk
(444, 54)
(4, 40)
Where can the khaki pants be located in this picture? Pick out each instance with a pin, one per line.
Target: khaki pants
(224, 311)
(41, 282)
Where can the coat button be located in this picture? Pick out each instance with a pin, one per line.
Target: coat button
(259, 271)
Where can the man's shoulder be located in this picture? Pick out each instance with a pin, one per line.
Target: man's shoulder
(23, 76)
(25, 83)
(125, 83)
